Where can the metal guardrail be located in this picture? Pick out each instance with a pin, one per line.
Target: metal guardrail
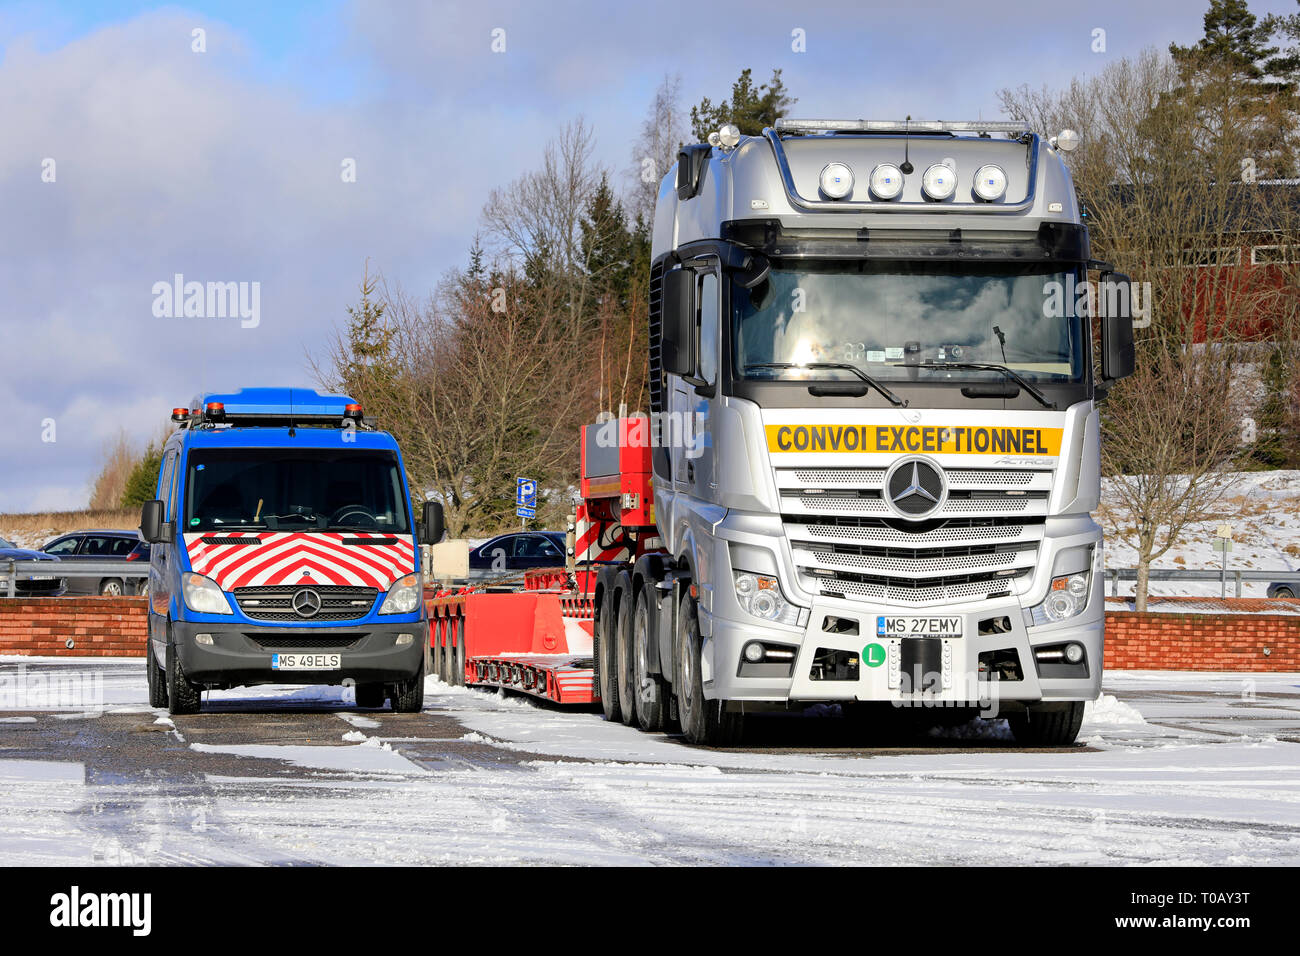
(1169, 574)
(13, 570)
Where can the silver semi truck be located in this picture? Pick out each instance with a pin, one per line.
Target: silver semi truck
(875, 362)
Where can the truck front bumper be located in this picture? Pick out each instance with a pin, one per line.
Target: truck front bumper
(878, 671)
(240, 655)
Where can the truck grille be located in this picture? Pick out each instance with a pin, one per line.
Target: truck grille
(847, 542)
(337, 603)
(331, 642)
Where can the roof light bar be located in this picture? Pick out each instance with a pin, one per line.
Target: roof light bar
(1010, 127)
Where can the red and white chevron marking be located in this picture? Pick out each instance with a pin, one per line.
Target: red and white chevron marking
(316, 557)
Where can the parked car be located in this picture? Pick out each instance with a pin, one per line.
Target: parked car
(102, 545)
(1283, 590)
(517, 551)
(39, 586)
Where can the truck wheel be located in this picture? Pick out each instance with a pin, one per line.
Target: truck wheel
(703, 721)
(650, 690)
(623, 651)
(408, 696)
(157, 677)
(1047, 728)
(370, 695)
(602, 646)
(111, 587)
(458, 657)
(183, 697)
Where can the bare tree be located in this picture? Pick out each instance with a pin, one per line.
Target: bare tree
(663, 132)
(1156, 211)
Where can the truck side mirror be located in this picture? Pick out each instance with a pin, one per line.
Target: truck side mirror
(433, 526)
(677, 324)
(151, 522)
(1118, 356)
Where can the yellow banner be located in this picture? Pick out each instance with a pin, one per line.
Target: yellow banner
(914, 439)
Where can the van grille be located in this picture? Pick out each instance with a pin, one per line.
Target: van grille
(337, 603)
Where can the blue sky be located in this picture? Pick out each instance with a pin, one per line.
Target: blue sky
(225, 165)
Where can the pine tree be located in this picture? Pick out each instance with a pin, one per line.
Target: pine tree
(751, 107)
(1239, 94)
(143, 480)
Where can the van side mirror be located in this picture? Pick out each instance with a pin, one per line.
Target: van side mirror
(151, 522)
(433, 526)
(677, 323)
(1118, 356)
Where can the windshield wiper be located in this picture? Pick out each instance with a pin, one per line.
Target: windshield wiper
(841, 366)
(993, 367)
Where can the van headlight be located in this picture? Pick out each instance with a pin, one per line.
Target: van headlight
(403, 597)
(1071, 586)
(203, 595)
(760, 595)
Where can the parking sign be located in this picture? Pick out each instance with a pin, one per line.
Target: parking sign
(525, 497)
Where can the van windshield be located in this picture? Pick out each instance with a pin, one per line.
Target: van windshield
(275, 489)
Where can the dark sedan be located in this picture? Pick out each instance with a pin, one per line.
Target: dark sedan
(101, 546)
(518, 551)
(41, 585)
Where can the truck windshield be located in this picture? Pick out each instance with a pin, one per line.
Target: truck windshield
(886, 318)
(276, 489)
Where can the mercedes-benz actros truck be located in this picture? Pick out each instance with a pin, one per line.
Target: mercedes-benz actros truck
(875, 362)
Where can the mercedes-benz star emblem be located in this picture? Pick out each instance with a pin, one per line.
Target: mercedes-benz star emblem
(306, 602)
(915, 488)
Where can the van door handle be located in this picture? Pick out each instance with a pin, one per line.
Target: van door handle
(690, 472)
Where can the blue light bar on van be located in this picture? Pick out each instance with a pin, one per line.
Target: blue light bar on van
(274, 406)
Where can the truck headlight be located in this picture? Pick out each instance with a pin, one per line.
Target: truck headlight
(403, 597)
(203, 595)
(760, 595)
(1069, 592)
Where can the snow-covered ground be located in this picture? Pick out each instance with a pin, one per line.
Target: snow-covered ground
(1264, 510)
(1178, 768)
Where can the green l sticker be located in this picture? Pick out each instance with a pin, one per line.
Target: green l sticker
(873, 655)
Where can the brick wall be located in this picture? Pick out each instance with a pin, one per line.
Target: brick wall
(115, 627)
(97, 626)
(1202, 642)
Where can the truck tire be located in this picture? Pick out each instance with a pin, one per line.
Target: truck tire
(370, 696)
(157, 677)
(408, 696)
(704, 722)
(1058, 727)
(183, 697)
(651, 689)
(602, 646)
(623, 653)
(458, 657)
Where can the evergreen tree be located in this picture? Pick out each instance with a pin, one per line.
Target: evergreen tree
(751, 107)
(143, 480)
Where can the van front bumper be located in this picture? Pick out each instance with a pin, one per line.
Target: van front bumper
(240, 655)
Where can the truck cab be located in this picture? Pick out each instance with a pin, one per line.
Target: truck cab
(284, 550)
(874, 370)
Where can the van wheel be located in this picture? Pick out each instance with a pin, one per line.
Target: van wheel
(602, 647)
(183, 697)
(703, 721)
(408, 696)
(157, 677)
(111, 588)
(370, 696)
(623, 651)
(651, 691)
(1058, 727)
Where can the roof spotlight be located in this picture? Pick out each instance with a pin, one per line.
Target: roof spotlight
(836, 180)
(939, 181)
(729, 135)
(1067, 141)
